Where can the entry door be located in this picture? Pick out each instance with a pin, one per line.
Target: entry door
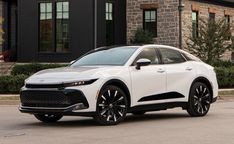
(110, 23)
(149, 81)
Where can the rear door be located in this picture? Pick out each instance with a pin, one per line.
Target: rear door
(180, 74)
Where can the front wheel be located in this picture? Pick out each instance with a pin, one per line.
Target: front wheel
(199, 100)
(48, 118)
(112, 106)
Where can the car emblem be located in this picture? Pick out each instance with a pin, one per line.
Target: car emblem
(42, 80)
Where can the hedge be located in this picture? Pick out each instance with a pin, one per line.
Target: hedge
(11, 84)
(221, 63)
(29, 69)
(225, 77)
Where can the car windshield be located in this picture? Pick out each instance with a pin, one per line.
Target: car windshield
(112, 56)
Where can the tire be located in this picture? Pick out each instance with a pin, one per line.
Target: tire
(46, 118)
(199, 100)
(138, 113)
(112, 105)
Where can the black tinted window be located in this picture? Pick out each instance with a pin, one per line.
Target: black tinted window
(148, 53)
(170, 56)
(113, 56)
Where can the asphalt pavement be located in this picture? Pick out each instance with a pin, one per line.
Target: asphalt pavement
(163, 127)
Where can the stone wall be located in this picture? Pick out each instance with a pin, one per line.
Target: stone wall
(203, 12)
(167, 20)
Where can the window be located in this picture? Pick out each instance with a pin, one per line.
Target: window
(54, 31)
(227, 19)
(109, 23)
(62, 24)
(109, 11)
(148, 53)
(170, 56)
(112, 56)
(46, 30)
(150, 21)
(195, 24)
(212, 17)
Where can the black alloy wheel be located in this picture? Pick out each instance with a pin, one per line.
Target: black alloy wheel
(48, 118)
(112, 105)
(199, 100)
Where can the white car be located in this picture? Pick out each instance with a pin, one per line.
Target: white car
(108, 83)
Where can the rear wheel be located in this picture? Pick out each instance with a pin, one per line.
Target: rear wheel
(112, 106)
(199, 100)
(48, 118)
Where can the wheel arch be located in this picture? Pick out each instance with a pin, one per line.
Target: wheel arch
(206, 82)
(121, 85)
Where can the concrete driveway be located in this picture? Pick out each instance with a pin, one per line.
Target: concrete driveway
(163, 127)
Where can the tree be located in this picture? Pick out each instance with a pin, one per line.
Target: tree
(142, 37)
(213, 39)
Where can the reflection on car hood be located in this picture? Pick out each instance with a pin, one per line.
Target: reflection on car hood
(66, 74)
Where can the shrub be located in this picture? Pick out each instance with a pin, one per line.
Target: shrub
(29, 69)
(11, 84)
(225, 77)
(221, 63)
(142, 37)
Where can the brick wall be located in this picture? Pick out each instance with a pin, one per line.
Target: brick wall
(203, 12)
(167, 20)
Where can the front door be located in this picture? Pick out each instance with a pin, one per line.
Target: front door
(148, 82)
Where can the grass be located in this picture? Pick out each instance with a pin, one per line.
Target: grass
(226, 93)
(9, 98)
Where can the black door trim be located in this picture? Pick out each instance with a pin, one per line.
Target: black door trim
(163, 96)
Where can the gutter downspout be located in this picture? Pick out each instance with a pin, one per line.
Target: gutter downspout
(180, 8)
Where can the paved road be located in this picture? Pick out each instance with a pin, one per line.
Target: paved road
(164, 127)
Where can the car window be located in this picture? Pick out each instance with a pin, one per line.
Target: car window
(148, 53)
(112, 56)
(170, 56)
(190, 57)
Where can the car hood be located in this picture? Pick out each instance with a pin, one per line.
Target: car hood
(66, 74)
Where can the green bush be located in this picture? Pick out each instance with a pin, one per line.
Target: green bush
(11, 84)
(225, 77)
(142, 37)
(29, 69)
(221, 63)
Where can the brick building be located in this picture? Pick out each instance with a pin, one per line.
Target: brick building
(62, 30)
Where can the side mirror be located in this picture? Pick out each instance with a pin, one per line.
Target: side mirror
(72, 62)
(142, 62)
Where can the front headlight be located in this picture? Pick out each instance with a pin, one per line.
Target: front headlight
(79, 83)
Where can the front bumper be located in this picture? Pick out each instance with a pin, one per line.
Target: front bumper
(64, 101)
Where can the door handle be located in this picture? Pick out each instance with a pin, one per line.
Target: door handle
(189, 68)
(161, 70)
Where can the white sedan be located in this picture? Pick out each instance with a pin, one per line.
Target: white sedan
(108, 83)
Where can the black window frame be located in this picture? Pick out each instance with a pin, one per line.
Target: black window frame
(156, 54)
(195, 29)
(161, 55)
(155, 31)
(212, 17)
(54, 21)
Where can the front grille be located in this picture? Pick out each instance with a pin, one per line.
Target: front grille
(57, 98)
(44, 85)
